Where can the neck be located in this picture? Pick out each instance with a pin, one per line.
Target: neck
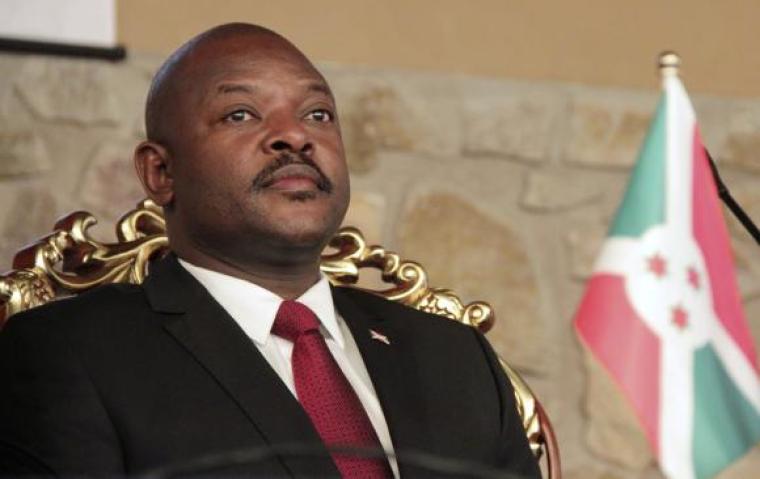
(287, 281)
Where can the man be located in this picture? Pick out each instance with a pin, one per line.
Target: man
(235, 342)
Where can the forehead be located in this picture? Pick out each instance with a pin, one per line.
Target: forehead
(251, 60)
(264, 74)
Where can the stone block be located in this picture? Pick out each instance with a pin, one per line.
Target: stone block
(479, 258)
(517, 125)
(109, 185)
(22, 153)
(552, 191)
(30, 215)
(69, 90)
(747, 270)
(606, 131)
(146, 63)
(740, 147)
(583, 246)
(393, 114)
(378, 119)
(138, 127)
(713, 120)
(748, 197)
(590, 471)
(613, 431)
(366, 212)
(9, 104)
(744, 247)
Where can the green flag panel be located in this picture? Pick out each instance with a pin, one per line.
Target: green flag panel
(725, 423)
(643, 205)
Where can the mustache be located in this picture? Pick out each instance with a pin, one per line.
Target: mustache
(264, 177)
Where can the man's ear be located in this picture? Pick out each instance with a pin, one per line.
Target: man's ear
(153, 165)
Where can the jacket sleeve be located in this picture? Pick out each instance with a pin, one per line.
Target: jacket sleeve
(51, 418)
(513, 453)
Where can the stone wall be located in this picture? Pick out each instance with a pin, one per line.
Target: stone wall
(502, 189)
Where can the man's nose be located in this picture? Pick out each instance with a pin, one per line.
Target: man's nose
(287, 134)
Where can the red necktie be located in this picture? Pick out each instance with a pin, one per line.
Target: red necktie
(326, 395)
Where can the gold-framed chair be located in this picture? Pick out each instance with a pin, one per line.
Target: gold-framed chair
(69, 261)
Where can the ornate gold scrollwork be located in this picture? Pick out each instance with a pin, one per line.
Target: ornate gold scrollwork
(526, 406)
(408, 279)
(69, 261)
(23, 289)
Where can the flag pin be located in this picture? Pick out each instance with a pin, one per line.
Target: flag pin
(379, 337)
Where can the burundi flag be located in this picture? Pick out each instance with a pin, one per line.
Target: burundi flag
(662, 309)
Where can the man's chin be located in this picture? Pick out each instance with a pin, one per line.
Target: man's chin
(301, 235)
(308, 218)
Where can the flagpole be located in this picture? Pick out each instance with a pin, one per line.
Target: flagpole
(669, 63)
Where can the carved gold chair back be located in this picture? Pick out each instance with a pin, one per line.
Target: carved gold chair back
(70, 261)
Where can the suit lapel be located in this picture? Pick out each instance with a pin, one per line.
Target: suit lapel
(213, 338)
(392, 368)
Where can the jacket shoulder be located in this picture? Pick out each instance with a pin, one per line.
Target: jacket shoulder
(104, 303)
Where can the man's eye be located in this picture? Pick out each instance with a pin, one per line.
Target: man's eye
(321, 115)
(239, 115)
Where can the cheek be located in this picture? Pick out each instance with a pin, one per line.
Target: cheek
(231, 163)
(205, 186)
(343, 180)
(334, 158)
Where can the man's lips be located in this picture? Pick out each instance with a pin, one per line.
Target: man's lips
(293, 177)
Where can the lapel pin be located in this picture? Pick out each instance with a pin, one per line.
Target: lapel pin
(379, 337)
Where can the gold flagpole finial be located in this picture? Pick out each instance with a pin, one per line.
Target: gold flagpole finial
(669, 63)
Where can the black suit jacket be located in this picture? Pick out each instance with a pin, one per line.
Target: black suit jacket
(126, 378)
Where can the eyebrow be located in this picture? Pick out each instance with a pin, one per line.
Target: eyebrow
(320, 87)
(226, 88)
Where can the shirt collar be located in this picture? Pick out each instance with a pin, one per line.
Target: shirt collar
(254, 308)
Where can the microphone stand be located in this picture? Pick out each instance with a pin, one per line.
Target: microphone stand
(732, 205)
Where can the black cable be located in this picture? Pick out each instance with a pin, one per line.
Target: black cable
(732, 205)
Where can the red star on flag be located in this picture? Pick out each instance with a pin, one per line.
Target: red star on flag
(680, 317)
(693, 277)
(657, 265)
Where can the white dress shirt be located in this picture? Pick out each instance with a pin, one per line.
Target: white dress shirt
(254, 309)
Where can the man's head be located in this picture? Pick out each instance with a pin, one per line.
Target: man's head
(244, 151)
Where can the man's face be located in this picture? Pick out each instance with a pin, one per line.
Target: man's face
(258, 157)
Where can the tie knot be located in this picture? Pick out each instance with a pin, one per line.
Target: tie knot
(294, 319)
